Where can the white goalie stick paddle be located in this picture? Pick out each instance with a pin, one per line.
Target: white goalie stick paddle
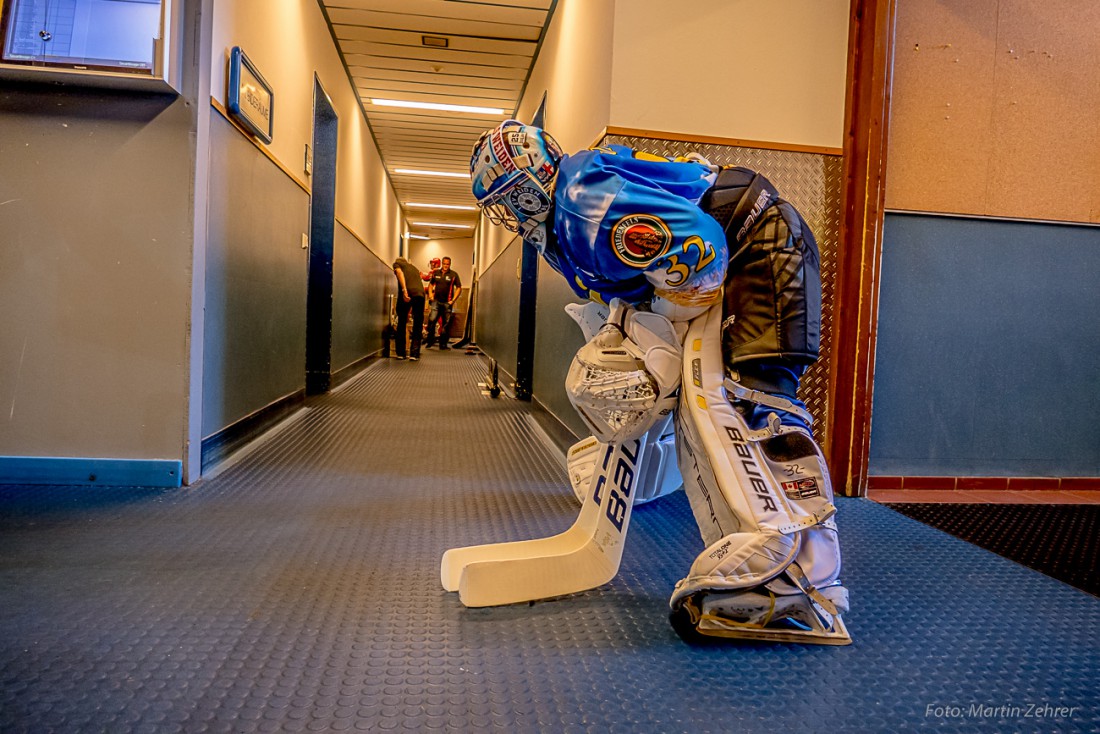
(583, 557)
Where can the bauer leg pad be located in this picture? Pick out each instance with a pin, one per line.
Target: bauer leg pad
(760, 491)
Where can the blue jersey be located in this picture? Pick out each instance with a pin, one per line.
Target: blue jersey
(627, 226)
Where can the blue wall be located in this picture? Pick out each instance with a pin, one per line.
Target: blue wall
(988, 357)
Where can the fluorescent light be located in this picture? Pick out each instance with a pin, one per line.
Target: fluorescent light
(443, 224)
(441, 206)
(418, 237)
(431, 173)
(437, 106)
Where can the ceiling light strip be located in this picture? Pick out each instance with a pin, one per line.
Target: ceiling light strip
(437, 106)
(441, 206)
(419, 172)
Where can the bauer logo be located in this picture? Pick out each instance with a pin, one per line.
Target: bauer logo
(640, 239)
(757, 207)
(697, 372)
(756, 480)
(623, 484)
(802, 489)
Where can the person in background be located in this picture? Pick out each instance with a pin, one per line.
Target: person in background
(410, 297)
(433, 266)
(444, 288)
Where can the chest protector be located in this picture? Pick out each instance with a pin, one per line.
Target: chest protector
(771, 315)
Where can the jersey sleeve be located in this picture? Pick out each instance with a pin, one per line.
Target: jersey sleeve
(630, 227)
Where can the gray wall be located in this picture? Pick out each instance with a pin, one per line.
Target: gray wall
(255, 281)
(498, 308)
(557, 339)
(361, 282)
(95, 260)
(988, 349)
(256, 273)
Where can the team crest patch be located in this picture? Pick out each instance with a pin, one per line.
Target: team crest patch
(640, 239)
(801, 489)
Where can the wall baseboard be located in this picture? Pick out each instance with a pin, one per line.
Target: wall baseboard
(560, 434)
(93, 472)
(342, 375)
(217, 446)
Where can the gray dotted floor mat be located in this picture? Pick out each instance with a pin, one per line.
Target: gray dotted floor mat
(298, 590)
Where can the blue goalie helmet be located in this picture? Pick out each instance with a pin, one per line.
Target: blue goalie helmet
(514, 168)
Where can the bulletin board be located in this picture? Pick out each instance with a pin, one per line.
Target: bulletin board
(995, 109)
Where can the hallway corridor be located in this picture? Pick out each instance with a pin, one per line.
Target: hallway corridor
(297, 589)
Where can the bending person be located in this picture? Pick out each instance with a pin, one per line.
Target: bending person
(715, 292)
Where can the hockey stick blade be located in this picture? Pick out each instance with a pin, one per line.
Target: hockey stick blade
(585, 556)
(456, 559)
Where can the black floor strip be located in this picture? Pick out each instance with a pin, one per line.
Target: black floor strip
(1061, 541)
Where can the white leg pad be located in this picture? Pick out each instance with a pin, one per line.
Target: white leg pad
(660, 474)
(762, 498)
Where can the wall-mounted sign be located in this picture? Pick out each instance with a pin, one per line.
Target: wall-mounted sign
(249, 99)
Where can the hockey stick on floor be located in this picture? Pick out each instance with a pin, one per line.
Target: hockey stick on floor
(583, 557)
(456, 559)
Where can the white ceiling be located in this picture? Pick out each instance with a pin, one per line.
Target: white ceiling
(490, 48)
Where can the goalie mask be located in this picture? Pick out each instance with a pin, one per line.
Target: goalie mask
(514, 168)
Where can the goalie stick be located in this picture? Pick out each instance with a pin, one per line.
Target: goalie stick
(583, 557)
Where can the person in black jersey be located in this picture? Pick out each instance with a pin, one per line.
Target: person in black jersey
(443, 288)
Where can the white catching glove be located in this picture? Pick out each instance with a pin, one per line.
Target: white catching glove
(623, 379)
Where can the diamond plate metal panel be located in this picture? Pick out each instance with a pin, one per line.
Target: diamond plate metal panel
(810, 181)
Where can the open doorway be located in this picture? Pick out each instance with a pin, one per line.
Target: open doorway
(322, 214)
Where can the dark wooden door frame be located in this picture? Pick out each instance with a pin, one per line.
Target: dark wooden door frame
(855, 320)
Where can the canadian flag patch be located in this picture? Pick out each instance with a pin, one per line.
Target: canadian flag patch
(801, 489)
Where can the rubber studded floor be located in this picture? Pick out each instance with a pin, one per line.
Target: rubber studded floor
(298, 590)
(1062, 541)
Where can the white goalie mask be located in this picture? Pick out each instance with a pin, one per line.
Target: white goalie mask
(513, 171)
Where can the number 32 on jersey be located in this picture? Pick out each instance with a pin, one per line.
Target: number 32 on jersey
(695, 256)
